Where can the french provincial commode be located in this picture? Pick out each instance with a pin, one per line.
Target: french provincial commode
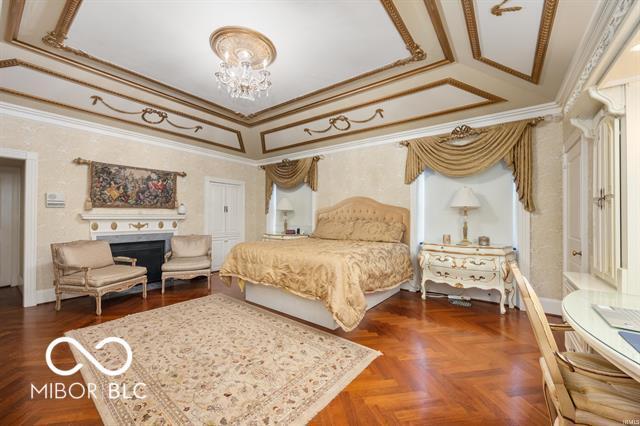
(469, 266)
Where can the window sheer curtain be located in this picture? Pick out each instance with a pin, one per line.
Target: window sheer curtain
(510, 142)
(289, 174)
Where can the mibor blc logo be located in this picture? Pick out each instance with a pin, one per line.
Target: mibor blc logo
(77, 390)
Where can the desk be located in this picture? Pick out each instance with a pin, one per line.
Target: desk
(604, 339)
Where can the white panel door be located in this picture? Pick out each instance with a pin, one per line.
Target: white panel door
(232, 209)
(217, 216)
(574, 203)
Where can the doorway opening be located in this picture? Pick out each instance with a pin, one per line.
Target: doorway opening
(12, 176)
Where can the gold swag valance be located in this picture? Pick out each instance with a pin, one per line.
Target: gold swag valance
(289, 174)
(510, 142)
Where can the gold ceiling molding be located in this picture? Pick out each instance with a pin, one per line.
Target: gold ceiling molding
(489, 99)
(417, 54)
(144, 114)
(333, 122)
(544, 33)
(498, 10)
(7, 63)
(70, 10)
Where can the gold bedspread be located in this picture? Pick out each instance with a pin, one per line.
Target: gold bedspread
(338, 272)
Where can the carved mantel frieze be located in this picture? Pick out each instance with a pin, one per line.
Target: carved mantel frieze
(120, 224)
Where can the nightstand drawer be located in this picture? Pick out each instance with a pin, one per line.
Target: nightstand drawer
(454, 261)
(480, 263)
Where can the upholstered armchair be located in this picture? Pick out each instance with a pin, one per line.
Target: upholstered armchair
(88, 267)
(579, 388)
(189, 257)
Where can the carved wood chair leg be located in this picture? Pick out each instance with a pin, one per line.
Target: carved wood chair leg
(209, 281)
(98, 305)
(144, 289)
(163, 279)
(58, 300)
(503, 299)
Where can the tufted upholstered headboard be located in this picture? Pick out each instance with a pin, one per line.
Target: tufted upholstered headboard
(355, 208)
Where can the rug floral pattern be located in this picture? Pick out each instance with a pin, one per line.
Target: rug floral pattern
(219, 361)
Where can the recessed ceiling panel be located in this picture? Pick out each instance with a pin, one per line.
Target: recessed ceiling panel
(430, 100)
(40, 84)
(318, 43)
(510, 35)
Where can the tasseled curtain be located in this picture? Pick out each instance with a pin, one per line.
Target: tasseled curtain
(510, 142)
(289, 174)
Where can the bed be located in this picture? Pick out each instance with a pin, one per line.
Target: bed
(357, 257)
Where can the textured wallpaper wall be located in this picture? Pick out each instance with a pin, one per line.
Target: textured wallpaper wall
(376, 172)
(546, 222)
(57, 146)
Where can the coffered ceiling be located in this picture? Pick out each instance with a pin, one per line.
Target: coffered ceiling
(344, 70)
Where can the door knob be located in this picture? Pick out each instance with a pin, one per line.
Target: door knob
(576, 253)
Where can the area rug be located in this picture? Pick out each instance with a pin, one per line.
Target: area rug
(217, 360)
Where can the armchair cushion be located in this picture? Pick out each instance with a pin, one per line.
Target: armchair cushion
(90, 254)
(104, 276)
(190, 245)
(196, 263)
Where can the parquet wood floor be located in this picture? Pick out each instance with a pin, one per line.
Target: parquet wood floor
(442, 364)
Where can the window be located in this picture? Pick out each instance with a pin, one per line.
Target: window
(300, 217)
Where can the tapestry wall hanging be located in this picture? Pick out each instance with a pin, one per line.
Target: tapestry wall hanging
(117, 186)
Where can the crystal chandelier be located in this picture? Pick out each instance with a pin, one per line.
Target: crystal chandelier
(245, 55)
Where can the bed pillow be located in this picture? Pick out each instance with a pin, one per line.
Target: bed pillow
(371, 230)
(329, 229)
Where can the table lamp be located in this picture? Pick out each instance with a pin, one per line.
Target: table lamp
(465, 199)
(285, 206)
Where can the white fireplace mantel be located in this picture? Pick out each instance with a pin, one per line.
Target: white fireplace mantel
(138, 223)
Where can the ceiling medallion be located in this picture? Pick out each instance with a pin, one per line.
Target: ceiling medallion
(245, 55)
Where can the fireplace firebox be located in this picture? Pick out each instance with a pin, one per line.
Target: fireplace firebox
(149, 254)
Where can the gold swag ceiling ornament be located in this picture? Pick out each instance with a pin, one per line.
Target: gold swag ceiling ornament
(510, 142)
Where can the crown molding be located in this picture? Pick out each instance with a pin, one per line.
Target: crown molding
(75, 123)
(602, 33)
(549, 110)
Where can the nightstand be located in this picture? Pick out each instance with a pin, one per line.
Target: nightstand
(484, 267)
(268, 237)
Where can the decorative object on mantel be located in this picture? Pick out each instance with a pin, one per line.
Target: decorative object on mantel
(484, 241)
(182, 209)
(446, 239)
(465, 199)
(346, 122)
(289, 174)
(147, 114)
(113, 185)
(510, 142)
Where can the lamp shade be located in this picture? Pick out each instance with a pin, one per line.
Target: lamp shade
(465, 198)
(284, 205)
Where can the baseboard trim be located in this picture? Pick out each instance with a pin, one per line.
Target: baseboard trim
(551, 306)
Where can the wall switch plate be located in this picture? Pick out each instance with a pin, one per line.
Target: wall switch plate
(54, 200)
